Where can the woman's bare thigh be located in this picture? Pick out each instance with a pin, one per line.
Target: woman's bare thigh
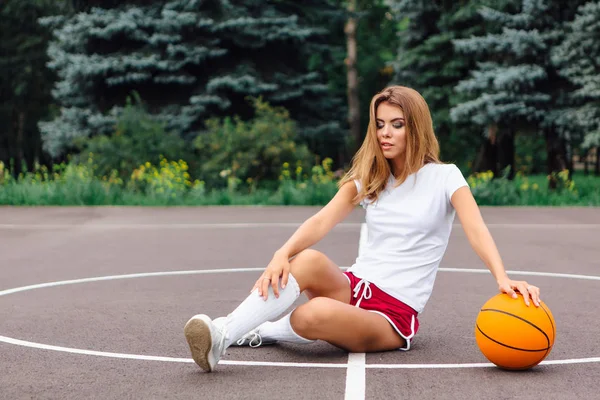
(345, 326)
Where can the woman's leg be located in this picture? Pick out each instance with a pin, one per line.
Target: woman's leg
(345, 326)
(310, 271)
(317, 276)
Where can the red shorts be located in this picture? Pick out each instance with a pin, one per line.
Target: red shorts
(369, 297)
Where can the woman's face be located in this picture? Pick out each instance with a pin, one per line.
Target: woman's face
(391, 131)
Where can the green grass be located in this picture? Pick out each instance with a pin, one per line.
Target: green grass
(170, 185)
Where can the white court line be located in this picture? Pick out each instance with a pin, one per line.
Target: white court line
(273, 364)
(356, 377)
(169, 226)
(257, 225)
(127, 356)
(356, 373)
(228, 270)
(355, 365)
(128, 276)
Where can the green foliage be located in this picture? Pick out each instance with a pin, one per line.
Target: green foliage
(64, 184)
(523, 190)
(240, 151)
(374, 56)
(191, 60)
(427, 61)
(295, 188)
(530, 154)
(169, 183)
(577, 59)
(25, 82)
(138, 138)
(515, 84)
(166, 182)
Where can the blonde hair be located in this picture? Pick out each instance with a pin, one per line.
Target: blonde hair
(370, 166)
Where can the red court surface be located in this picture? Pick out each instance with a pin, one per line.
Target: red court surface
(121, 336)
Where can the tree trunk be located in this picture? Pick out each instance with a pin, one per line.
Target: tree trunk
(597, 168)
(557, 156)
(506, 153)
(352, 76)
(586, 162)
(20, 141)
(487, 158)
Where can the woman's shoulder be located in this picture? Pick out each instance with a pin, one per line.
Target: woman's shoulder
(440, 167)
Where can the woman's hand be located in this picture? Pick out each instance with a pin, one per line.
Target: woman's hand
(278, 267)
(528, 291)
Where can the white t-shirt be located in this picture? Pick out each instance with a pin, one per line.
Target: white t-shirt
(408, 231)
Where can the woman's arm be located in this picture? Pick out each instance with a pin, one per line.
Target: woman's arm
(309, 233)
(482, 242)
(316, 227)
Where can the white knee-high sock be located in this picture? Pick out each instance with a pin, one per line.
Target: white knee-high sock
(281, 331)
(255, 310)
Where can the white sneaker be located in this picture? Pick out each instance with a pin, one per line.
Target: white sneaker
(253, 339)
(206, 341)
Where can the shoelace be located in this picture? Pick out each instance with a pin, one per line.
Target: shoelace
(224, 336)
(254, 339)
(366, 293)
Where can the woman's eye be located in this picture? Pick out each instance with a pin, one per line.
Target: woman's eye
(379, 126)
(398, 126)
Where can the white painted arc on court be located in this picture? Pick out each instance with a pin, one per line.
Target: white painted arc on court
(233, 270)
(19, 342)
(140, 357)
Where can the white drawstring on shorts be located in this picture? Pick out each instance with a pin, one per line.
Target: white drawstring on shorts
(366, 292)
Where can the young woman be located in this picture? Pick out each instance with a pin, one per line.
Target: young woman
(411, 199)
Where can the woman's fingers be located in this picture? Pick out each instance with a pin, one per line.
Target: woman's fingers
(284, 278)
(275, 285)
(529, 292)
(522, 288)
(534, 291)
(264, 292)
(270, 277)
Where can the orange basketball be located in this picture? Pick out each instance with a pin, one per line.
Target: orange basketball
(513, 335)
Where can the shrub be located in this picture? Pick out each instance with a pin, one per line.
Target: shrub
(233, 151)
(138, 138)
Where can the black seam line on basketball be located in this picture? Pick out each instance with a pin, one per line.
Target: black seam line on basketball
(505, 345)
(550, 319)
(522, 319)
(537, 362)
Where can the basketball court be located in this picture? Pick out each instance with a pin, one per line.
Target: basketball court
(93, 302)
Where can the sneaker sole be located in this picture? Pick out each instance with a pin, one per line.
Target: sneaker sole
(197, 334)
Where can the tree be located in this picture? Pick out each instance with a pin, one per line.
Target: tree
(427, 61)
(516, 87)
(190, 60)
(578, 59)
(352, 75)
(25, 82)
(377, 41)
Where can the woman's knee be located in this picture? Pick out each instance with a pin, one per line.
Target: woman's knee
(309, 317)
(308, 258)
(307, 262)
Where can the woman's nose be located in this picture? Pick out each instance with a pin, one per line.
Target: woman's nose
(386, 131)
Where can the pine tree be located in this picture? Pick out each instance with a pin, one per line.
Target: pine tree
(190, 60)
(578, 59)
(25, 82)
(515, 87)
(427, 61)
